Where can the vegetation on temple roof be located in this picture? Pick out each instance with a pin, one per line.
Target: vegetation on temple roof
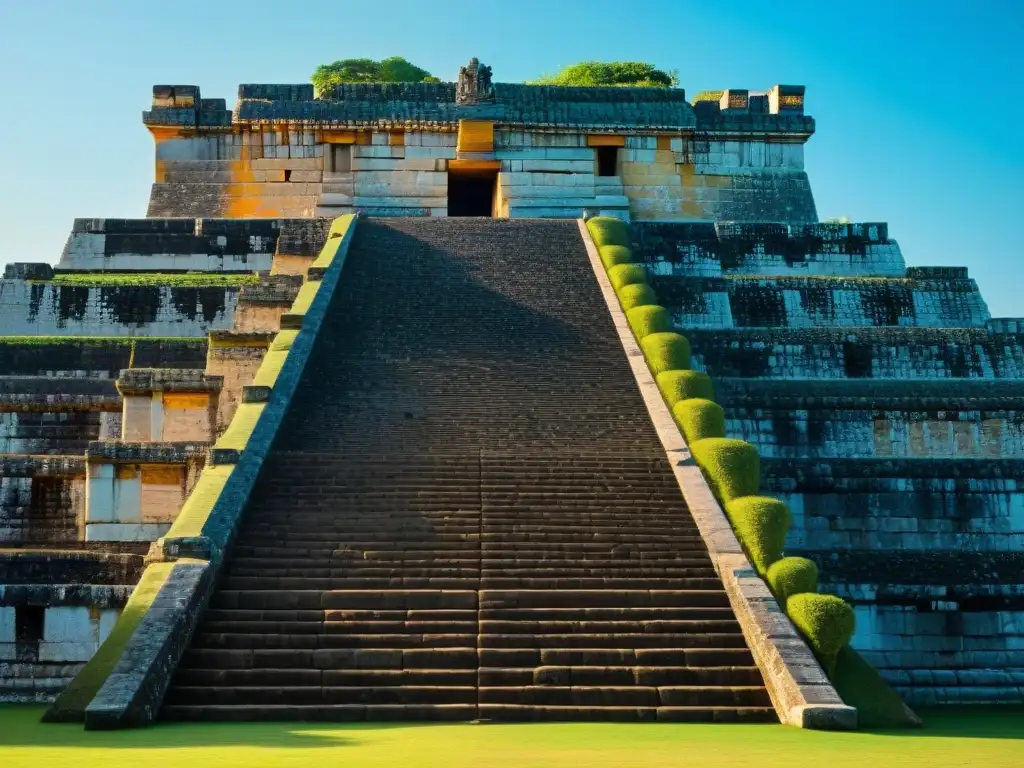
(623, 73)
(393, 69)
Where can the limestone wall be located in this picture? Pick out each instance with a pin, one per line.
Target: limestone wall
(254, 173)
(732, 249)
(42, 499)
(49, 629)
(860, 353)
(43, 309)
(878, 419)
(159, 245)
(264, 171)
(96, 358)
(820, 302)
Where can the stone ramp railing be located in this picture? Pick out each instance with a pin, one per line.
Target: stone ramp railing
(125, 685)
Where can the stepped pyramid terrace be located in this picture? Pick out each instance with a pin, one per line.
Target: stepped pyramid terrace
(481, 401)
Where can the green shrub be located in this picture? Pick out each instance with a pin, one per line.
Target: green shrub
(732, 467)
(826, 621)
(699, 419)
(626, 274)
(792, 576)
(615, 254)
(761, 524)
(606, 230)
(648, 319)
(666, 352)
(636, 295)
(683, 385)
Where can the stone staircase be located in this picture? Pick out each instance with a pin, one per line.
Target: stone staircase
(467, 513)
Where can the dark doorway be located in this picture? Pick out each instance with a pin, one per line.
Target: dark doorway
(607, 161)
(471, 194)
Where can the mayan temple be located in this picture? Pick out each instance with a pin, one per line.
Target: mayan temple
(428, 401)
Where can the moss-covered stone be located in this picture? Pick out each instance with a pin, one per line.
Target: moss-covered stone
(666, 352)
(732, 467)
(792, 576)
(648, 319)
(626, 274)
(699, 419)
(607, 230)
(826, 621)
(636, 295)
(683, 385)
(615, 254)
(761, 524)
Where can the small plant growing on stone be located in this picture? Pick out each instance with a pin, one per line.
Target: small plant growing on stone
(792, 576)
(648, 319)
(636, 295)
(666, 352)
(826, 621)
(761, 524)
(732, 467)
(699, 419)
(607, 230)
(626, 274)
(683, 385)
(615, 254)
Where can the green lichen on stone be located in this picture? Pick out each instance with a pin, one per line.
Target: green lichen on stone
(683, 385)
(792, 576)
(699, 419)
(761, 524)
(648, 319)
(826, 621)
(732, 467)
(626, 274)
(666, 352)
(636, 295)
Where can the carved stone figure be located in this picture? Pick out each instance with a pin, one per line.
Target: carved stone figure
(474, 83)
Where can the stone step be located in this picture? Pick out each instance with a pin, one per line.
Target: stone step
(328, 694)
(443, 658)
(601, 598)
(326, 677)
(338, 598)
(620, 640)
(619, 676)
(614, 657)
(702, 714)
(320, 712)
(627, 695)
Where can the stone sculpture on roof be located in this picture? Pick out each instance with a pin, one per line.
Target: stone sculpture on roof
(474, 83)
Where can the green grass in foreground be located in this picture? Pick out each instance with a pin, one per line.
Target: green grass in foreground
(989, 738)
(170, 280)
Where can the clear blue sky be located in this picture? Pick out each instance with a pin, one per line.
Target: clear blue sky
(919, 104)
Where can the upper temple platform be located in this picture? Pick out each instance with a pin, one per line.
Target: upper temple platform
(405, 105)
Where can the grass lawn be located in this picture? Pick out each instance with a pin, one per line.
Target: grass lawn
(989, 738)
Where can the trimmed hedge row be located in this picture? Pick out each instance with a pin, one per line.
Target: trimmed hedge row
(731, 467)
